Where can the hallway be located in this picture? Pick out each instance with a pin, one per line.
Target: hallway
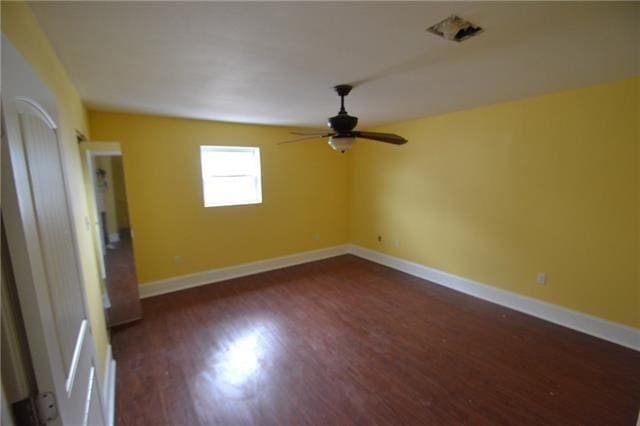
(122, 284)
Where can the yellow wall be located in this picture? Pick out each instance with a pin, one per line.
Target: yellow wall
(304, 189)
(500, 193)
(119, 192)
(22, 29)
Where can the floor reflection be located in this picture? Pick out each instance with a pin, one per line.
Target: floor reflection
(242, 359)
(239, 367)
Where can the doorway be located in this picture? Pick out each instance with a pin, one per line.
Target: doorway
(113, 233)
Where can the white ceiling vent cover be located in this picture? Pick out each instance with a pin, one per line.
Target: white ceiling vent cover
(455, 28)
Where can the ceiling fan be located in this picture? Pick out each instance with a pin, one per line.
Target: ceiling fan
(342, 137)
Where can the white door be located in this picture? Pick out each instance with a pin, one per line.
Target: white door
(42, 246)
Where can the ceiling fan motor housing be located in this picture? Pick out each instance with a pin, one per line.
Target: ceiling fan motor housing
(343, 123)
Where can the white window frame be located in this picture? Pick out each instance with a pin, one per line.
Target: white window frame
(257, 175)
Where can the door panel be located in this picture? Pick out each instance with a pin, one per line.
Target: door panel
(47, 186)
(76, 401)
(93, 411)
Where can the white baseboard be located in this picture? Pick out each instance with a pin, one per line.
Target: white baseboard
(109, 388)
(598, 327)
(114, 237)
(169, 285)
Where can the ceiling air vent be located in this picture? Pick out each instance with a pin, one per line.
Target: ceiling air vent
(455, 28)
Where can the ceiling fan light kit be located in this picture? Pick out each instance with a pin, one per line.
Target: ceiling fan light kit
(344, 136)
(341, 143)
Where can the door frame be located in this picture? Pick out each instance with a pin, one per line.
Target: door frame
(92, 151)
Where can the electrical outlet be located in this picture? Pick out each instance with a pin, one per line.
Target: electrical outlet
(316, 236)
(396, 243)
(541, 278)
(177, 260)
(379, 238)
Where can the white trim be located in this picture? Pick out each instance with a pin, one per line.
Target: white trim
(110, 153)
(73, 368)
(106, 301)
(111, 407)
(108, 357)
(588, 324)
(91, 152)
(114, 237)
(87, 403)
(169, 285)
(109, 387)
(28, 106)
(97, 229)
(598, 327)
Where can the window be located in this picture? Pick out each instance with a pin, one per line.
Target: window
(231, 175)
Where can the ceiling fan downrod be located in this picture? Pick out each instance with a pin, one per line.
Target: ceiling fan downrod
(343, 90)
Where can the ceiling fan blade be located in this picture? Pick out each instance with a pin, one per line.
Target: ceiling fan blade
(306, 138)
(309, 132)
(382, 137)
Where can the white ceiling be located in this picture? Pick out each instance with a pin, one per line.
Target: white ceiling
(275, 63)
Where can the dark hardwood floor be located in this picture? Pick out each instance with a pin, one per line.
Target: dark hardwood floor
(345, 341)
(122, 283)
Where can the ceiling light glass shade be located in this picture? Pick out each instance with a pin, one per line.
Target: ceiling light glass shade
(341, 144)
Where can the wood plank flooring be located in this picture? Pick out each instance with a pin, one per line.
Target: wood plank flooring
(346, 341)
